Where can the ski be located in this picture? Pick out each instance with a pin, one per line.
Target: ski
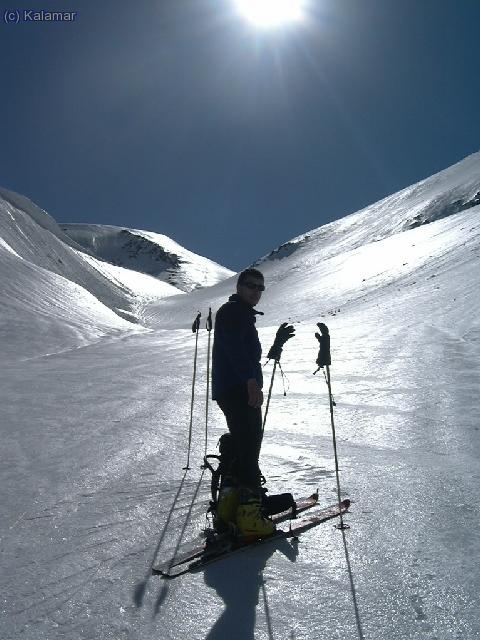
(215, 540)
(227, 547)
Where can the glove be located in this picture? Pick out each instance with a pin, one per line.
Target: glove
(196, 323)
(324, 357)
(284, 333)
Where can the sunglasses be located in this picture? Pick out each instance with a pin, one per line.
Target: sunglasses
(252, 285)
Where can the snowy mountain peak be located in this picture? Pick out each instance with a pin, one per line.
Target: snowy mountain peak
(61, 290)
(148, 252)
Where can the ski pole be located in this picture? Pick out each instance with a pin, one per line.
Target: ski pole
(195, 328)
(209, 329)
(284, 333)
(324, 359)
(269, 396)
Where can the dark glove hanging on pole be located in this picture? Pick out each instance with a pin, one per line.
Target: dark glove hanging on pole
(196, 323)
(284, 333)
(324, 358)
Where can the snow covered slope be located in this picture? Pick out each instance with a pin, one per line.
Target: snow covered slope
(406, 237)
(54, 296)
(402, 242)
(94, 442)
(446, 193)
(148, 252)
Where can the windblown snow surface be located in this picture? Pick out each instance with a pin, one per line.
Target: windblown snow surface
(95, 415)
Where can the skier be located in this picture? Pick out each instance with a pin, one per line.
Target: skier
(237, 388)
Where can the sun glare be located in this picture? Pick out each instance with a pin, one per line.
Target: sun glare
(271, 13)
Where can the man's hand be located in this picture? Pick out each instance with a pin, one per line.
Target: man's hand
(255, 394)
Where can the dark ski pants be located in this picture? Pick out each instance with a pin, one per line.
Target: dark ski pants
(245, 425)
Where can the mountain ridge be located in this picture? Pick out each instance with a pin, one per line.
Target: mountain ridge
(147, 252)
(427, 200)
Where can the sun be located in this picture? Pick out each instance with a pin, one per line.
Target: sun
(271, 13)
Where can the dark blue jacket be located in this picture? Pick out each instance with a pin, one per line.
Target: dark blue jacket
(236, 348)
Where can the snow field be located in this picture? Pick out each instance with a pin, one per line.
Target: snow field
(95, 414)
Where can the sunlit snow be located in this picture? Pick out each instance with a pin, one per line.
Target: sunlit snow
(95, 414)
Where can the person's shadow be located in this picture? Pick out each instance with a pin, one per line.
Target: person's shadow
(238, 581)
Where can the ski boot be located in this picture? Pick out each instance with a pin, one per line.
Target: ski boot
(227, 505)
(251, 523)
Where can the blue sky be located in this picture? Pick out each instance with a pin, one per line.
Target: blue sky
(177, 116)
